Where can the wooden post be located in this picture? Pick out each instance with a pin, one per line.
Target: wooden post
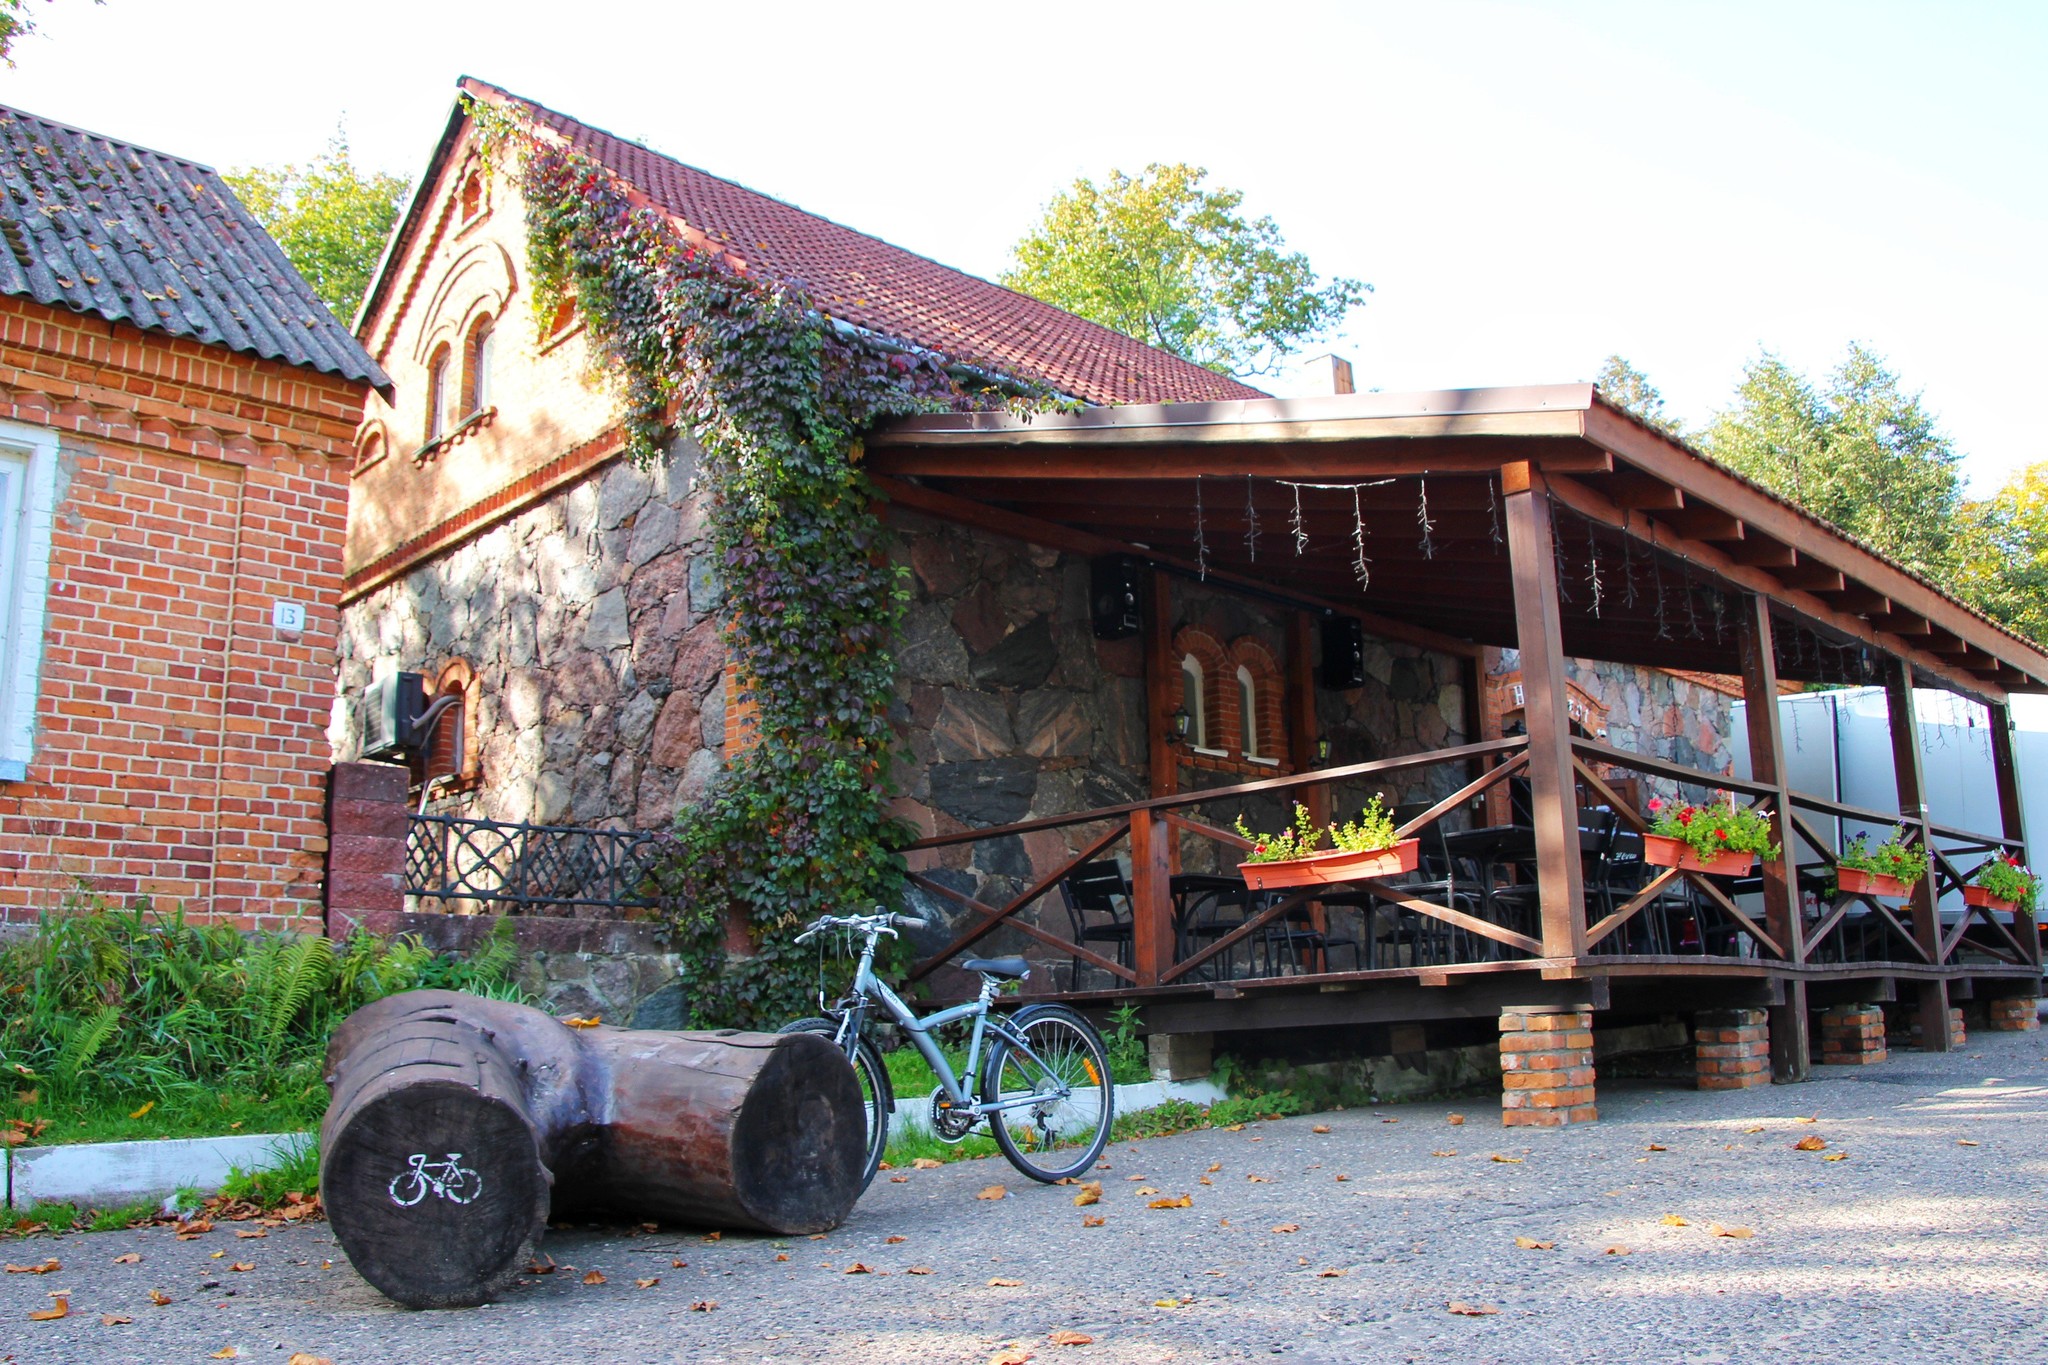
(1553, 795)
(2011, 813)
(1302, 729)
(1151, 897)
(1898, 696)
(1790, 1045)
(1162, 683)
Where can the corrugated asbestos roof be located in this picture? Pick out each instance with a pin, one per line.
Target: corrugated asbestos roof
(894, 292)
(156, 241)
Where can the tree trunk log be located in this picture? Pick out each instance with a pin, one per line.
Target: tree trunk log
(458, 1124)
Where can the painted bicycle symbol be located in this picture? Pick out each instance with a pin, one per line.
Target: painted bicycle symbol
(456, 1184)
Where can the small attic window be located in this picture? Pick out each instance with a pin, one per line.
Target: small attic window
(471, 197)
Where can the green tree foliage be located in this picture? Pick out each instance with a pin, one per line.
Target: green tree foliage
(2004, 553)
(18, 20)
(330, 218)
(1628, 388)
(1161, 258)
(1859, 451)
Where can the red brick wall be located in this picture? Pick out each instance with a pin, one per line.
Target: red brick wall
(181, 748)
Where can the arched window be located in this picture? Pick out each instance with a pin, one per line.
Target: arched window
(472, 196)
(370, 449)
(1192, 699)
(437, 394)
(1248, 710)
(480, 346)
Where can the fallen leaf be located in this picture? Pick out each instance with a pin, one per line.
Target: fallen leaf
(714, 1236)
(899, 1180)
(1145, 1190)
(43, 1268)
(1455, 1120)
(1809, 1143)
(1810, 1118)
(1067, 1337)
(1507, 1160)
(218, 1255)
(129, 1258)
(1015, 1355)
(158, 1297)
(1320, 1128)
(1137, 1178)
(1258, 1180)
(114, 1320)
(1000, 1283)
(919, 1270)
(1616, 1250)
(546, 1267)
(1090, 1193)
(858, 1268)
(593, 1277)
(1287, 1227)
(59, 1309)
(1672, 1220)
(781, 1255)
(925, 1163)
(1184, 1202)
(1166, 1303)
(649, 1282)
(1442, 1153)
(894, 1238)
(1836, 1156)
(1342, 1178)
(1531, 1244)
(1758, 1129)
(1090, 1220)
(1965, 1142)
(1656, 1147)
(307, 1358)
(243, 1265)
(1471, 1310)
(1215, 1166)
(703, 1305)
(226, 1353)
(1233, 1128)
(578, 1021)
(146, 1107)
(1330, 1274)
(1740, 1234)
(1388, 1120)
(1204, 1180)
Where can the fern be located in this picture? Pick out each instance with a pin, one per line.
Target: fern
(82, 1042)
(295, 975)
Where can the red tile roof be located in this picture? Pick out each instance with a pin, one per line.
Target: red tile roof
(894, 292)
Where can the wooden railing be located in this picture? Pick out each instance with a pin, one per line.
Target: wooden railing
(1152, 828)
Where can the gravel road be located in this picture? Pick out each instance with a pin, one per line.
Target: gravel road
(1927, 1236)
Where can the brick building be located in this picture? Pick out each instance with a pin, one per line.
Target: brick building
(178, 415)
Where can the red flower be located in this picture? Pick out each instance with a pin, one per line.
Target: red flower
(1656, 804)
(1685, 816)
(1258, 848)
(1722, 835)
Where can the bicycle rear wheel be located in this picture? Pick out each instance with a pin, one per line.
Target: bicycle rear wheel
(1061, 1134)
(876, 1093)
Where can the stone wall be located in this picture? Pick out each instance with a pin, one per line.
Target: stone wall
(1662, 715)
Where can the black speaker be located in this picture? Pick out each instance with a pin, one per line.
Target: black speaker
(1113, 596)
(1343, 653)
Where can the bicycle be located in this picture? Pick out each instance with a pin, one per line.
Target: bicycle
(456, 1184)
(1046, 1064)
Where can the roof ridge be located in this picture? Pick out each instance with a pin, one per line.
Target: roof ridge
(18, 112)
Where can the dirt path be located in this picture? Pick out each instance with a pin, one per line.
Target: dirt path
(1928, 1236)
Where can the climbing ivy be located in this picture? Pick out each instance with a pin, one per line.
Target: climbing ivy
(777, 395)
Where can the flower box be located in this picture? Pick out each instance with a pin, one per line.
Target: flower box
(1328, 869)
(1977, 895)
(1854, 881)
(1662, 850)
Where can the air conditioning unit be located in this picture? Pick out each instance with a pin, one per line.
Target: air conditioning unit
(391, 713)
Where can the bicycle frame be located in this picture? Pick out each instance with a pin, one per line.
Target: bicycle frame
(868, 989)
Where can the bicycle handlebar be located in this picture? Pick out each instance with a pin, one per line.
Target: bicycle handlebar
(882, 922)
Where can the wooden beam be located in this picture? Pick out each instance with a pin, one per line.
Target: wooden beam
(1553, 797)
(1307, 459)
(1638, 492)
(1703, 523)
(1588, 503)
(1858, 600)
(1790, 1044)
(1764, 554)
(1302, 727)
(1807, 577)
(1905, 728)
(2012, 815)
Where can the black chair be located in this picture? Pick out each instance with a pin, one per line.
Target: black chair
(1099, 890)
(1442, 879)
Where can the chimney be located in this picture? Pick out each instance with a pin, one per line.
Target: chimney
(1326, 374)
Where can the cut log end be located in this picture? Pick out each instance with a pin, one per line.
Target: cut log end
(436, 1192)
(800, 1141)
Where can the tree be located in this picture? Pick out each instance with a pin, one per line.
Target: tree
(2004, 553)
(1629, 389)
(1861, 453)
(17, 20)
(330, 219)
(1160, 258)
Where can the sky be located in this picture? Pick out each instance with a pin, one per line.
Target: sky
(1528, 187)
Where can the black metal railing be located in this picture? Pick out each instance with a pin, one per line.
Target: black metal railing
(525, 869)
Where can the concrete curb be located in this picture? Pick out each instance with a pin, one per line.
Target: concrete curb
(109, 1174)
(1130, 1099)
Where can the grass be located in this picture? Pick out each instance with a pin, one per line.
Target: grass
(177, 1111)
(269, 1186)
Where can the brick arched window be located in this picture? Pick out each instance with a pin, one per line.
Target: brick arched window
(1192, 699)
(472, 196)
(370, 447)
(1210, 701)
(1261, 733)
(452, 754)
(476, 363)
(437, 392)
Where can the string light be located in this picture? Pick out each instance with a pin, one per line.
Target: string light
(1428, 545)
(1493, 517)
(1201, 537)
(1300, 531)
(1251, 522)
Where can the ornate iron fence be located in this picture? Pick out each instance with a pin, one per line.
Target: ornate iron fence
(523, 869)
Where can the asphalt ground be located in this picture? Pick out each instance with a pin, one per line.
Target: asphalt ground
(1926, 1239)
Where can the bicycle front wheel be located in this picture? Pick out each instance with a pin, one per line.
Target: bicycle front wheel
(876, 1093)
(1059, 1065)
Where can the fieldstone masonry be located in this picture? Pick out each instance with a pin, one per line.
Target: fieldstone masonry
(1546, 1063)
(1852, 1035)
(1733, 1049)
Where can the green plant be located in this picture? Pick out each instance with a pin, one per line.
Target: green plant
(1716, 829)
(125, 1216)
(777, 396)
(295, 1171)
(1895, 857)
(2007, 878)
(1373, 830)
(1129, 1058)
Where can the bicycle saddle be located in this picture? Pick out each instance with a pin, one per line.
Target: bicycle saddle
(1008, 968)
